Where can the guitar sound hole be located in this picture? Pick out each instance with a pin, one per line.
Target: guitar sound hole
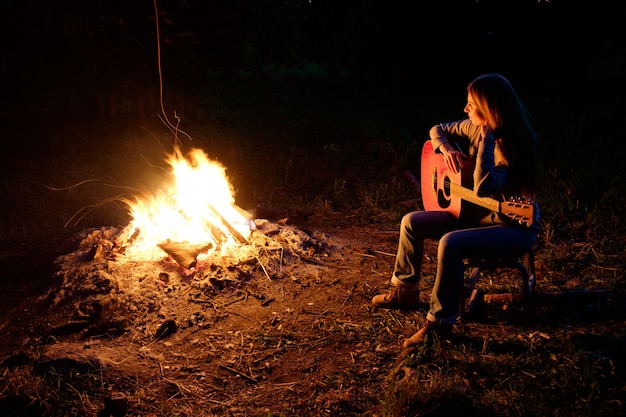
(446, 187)
(443, 194)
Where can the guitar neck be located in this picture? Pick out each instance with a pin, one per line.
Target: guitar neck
(468, 195)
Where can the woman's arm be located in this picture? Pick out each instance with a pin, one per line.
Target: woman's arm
(489, 178)
(444, 136)
(445, 133)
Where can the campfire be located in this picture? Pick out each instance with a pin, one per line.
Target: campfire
(192, 215)
(187, 243)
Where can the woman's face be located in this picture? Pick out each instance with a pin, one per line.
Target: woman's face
(475, 116)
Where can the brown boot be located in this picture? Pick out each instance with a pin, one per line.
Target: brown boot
(399, 298)
(431, 330)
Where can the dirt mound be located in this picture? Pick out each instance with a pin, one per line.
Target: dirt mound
(100, 288)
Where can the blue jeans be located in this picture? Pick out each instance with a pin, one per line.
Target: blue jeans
(457, 241)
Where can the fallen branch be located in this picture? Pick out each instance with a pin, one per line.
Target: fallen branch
(248, 377)
(584, 295)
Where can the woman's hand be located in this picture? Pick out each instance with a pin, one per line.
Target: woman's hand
(453, 158)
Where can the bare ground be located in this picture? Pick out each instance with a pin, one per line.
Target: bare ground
(281, 326)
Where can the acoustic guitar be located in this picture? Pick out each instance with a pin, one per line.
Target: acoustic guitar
(443, 189)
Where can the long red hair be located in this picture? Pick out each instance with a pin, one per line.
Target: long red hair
(506, 115)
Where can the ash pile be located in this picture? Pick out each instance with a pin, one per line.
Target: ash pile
(101, 290)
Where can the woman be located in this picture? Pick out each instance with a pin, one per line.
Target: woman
(502, 147)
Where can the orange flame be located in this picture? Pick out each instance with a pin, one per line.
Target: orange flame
(198, 207)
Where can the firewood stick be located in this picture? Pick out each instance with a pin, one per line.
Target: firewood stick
(583, 295)
(218, 234)
(229, 226)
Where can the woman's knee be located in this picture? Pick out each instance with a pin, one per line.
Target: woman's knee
(426, 223)
(450, 244)
(406, 221)
(411, 222)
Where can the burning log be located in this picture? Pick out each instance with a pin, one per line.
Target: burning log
(229, 226)
(184, 253)
(218, 234)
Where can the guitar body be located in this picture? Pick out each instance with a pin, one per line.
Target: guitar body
(436, 179)
(445, 190)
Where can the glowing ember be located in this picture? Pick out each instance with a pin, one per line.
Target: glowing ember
(197, 208)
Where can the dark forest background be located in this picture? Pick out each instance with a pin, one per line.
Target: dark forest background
(90, 62)
(296, 75)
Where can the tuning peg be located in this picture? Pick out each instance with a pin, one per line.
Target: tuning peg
(520, 199)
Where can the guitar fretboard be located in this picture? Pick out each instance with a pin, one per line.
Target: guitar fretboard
(469, 195)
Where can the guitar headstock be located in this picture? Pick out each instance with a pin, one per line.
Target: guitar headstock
(520, 209)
